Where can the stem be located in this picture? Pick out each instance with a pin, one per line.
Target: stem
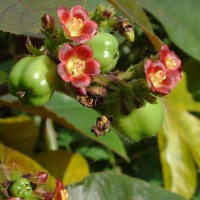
(50, 135)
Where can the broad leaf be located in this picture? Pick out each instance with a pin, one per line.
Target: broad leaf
(136, 14)
(179, 141)
(68, 167)
(11, 160)
(111, 186)
(178, 166)
(68, 112)
(23, 16)
(19, 133)
(180, 19)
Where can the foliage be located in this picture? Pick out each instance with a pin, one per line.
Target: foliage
(57, 138)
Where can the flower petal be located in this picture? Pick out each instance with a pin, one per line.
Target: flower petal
(167, 85)
(163, 90)
(63, 73)
(90, 28)
(84, 51)
(63, 15)
(66, 52)
(79, 12)
(176, 74)
(164, 51)
(174, 62)
(81, 81)
(92, 68)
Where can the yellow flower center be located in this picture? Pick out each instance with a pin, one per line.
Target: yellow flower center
(75, 26)
(76, 66)
(157, 78)
(64, 194)
(170, 63)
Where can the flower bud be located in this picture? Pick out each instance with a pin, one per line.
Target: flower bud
(125, 28)
(48, 23)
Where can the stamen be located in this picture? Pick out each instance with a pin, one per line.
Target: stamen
(75, 26)
(76, 67)
(157, 77)
(170, 63)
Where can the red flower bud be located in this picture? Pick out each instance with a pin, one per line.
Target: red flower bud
(48, 23)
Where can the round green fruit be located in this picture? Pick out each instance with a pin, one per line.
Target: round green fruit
(21, 188)
(105, 50)
(33, 80)
(140, 123)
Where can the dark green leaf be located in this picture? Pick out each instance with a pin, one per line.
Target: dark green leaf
(23, 16)
(180, 19)
(111, 186)
(68, 112)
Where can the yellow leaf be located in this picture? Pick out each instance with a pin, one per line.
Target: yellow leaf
(182, 98)
(68, 167)
(11, 160)
(178, 166)
(19, 133)
(190, 133)
(179, 141)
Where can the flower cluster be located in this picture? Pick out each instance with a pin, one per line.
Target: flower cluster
(163, 73)
(77, 63)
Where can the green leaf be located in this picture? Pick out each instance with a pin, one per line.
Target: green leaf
(136, 14)
(23, 16)
(68, 167)
(3, 77)
(68, 112)
(179, 19)
(95, 153)
(19, 133)
(179, 141)
(111, 186)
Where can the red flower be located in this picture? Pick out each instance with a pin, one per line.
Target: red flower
(169, 58)
(163, 74)
(60, 191)
(77, 24)
(77, 65)
(158, 77)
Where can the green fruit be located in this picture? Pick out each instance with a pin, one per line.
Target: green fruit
(140, 123)
(21, 188)
(105, 50)
(33, 80)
